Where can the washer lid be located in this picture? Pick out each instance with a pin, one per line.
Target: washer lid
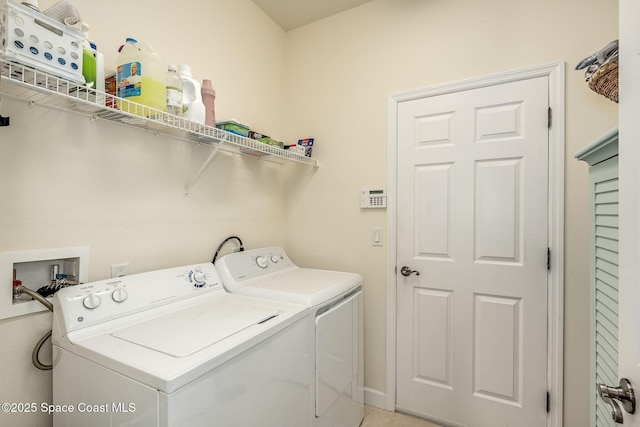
(298, 285)
(159, 347)
(188, 331)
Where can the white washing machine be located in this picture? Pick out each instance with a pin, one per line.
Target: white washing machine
(336, 308)
(173, 348)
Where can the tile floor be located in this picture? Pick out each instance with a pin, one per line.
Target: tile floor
(374, 417)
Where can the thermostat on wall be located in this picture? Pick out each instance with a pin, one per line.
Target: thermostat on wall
(373, 199)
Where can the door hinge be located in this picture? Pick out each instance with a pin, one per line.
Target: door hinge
(548, 402)
(549, 115)
(548, 259)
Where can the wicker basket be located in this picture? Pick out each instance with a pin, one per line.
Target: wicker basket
(605, 81)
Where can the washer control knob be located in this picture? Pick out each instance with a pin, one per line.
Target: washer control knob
(274, 259)
(199, 279)
(261, 261)
(91, 301)
(119, 295)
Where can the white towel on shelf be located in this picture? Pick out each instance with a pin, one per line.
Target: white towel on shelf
(66, 13)
(604, 56)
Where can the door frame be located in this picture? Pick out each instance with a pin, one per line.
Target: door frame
(555, 278)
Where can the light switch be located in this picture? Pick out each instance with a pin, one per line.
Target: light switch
(376, 237)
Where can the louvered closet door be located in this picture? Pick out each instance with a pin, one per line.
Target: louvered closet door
(604, 292)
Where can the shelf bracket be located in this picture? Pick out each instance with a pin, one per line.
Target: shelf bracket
(213, 153)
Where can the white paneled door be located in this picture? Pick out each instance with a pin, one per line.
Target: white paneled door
(472, 228)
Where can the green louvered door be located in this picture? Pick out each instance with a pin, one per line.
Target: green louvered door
(602, 157)
(604, 284)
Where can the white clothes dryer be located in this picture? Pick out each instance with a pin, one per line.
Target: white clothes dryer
(173, 348)
(336, 307)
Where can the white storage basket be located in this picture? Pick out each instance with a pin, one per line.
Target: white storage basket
(31, 38)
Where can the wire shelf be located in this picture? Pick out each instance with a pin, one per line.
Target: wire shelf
(39, 87)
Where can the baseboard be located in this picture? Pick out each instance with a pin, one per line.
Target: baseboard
(376, 398)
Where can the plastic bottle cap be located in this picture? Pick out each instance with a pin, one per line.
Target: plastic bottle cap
(184, 69)
(171, 67)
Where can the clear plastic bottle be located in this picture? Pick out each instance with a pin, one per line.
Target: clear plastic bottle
(174, 91)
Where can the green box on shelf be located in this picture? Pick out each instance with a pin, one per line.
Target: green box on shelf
(265, 139)
(233, 127)
(257, 135)
(274, 143)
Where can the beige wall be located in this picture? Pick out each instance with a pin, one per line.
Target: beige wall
(70, 181)
(341, 71)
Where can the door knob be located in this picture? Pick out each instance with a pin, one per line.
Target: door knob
(406, 271)
(623, 393)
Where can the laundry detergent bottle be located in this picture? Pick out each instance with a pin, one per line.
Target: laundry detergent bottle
(89, 68)
(191, 95)
(140, 78)
(209, 101)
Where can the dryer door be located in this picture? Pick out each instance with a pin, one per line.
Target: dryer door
(336, 352)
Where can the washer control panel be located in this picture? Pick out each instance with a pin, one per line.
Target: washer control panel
(90, 303)
(253, 263)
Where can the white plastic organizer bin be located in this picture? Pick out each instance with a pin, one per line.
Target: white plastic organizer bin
(33, 39)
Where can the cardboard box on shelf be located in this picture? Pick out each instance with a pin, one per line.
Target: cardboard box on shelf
(307, 143)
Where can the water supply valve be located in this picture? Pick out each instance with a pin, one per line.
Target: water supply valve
(4, 121)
